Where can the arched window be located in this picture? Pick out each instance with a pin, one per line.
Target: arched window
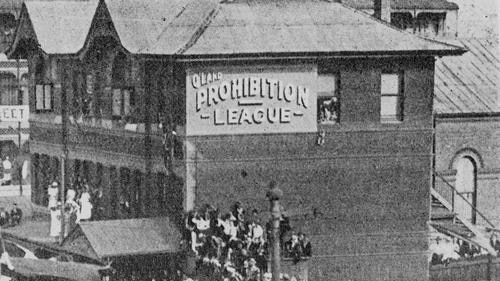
(465, 185)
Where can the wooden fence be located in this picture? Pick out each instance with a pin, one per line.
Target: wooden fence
(484, 268)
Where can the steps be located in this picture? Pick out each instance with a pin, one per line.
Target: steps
(450, 223)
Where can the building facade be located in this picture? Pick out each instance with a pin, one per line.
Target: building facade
(421, 17)
(163, 107)
(467, 130)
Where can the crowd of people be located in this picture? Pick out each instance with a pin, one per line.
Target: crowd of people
(235, 245)
(77, 207)
(10, 217)
(445, 250)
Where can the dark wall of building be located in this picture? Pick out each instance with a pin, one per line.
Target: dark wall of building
(363, 196)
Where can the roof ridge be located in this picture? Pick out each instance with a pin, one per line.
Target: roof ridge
(397, 29)
(199, 31)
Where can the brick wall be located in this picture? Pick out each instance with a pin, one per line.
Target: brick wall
(369, 183)
(478, 137)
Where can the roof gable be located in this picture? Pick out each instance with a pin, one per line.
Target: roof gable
(78, 243)
(24, 33)
(60, 27)
(211, 27)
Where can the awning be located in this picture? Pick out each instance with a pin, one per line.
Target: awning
(101, 240)
(37, 268)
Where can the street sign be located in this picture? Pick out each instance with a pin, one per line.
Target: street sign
(14, 113)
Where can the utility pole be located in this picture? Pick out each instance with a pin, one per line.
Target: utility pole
(274, 195)
(20, 168)
(64, 131)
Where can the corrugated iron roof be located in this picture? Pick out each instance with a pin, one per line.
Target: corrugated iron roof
(34, 268)
(142, 25)
(469, 83)
(406, 4)
(209, 27)
(262, 26)
(61, 26)
(112, 238)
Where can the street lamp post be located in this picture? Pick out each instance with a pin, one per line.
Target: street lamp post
(274, 195)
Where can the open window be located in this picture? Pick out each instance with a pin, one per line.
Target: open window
(328, 105)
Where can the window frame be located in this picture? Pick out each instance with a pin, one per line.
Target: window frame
(44, 108)
(399, 115)
(131, 102)
(323, 96)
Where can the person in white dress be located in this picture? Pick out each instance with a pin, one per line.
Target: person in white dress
(53, 191)
(71, 211)
(7, 171)
(55, 220)
(85, 205)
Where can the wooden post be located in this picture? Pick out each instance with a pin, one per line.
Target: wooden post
(64, 131)
(20, 169)
(62, 192)
(274, 195)
(489, 268)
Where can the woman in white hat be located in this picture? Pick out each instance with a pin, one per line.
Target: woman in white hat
(53, 191)
(85, 205)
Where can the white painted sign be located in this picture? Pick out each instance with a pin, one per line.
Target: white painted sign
(14, 113)
(246, 101)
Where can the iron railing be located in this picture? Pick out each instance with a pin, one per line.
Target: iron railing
(454, 191)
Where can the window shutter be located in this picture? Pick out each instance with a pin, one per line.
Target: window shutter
(126, 102)
(39, 97)
(47, 97)
(117, 102)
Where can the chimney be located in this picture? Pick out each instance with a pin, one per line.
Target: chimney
(382, 10)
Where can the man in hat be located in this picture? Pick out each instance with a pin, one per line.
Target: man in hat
(305, 244)
(16, 214)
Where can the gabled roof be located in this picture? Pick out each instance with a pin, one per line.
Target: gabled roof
(212, 27)
(469, 83)
(59, 27)
(406, 4)
(114, 238)
(142, 25)
(296, 26)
